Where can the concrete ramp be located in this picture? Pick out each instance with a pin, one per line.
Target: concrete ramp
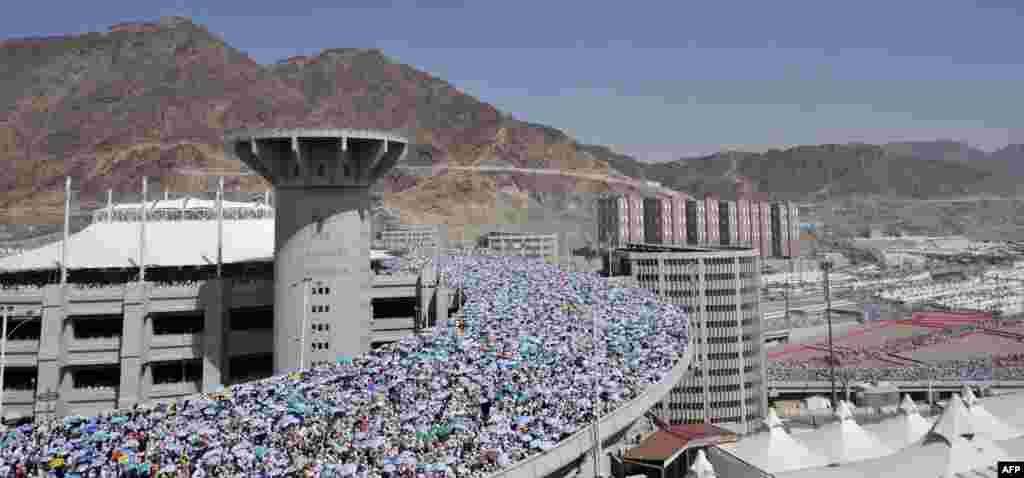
(571, 449)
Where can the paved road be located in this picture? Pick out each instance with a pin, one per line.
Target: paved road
(553, 172)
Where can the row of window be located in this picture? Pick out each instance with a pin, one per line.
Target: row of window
(321, 308)
(321, 170)
(732, 387)
(321, 290)
(728, 323)
(321, 327)
(321, 345)
(723, 372)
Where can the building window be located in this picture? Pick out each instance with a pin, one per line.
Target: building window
(24, 329)
(20, 378)
(178, 324)
(97, 327)
(177, 371)
(254, 318)
(103, 376)
(251, 367)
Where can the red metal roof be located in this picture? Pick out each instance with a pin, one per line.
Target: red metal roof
(662, 445)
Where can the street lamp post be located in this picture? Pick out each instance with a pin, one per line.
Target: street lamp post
(305, 314)
(7, 310)
(826, 266)
(789, 287)
(3, 358)
(597, 396)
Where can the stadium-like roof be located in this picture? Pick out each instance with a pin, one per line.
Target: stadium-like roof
(168, 244)
(188, 203)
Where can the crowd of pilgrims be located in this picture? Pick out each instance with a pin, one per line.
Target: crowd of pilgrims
(511, 375)
(980, 369)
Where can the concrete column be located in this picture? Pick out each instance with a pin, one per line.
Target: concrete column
(212, 296)
(136, 307)
(440, 306)
(740, 343)
(146, 381)
(322, 235)
(702, 304)
(763, 355)
(49, 399)
(661, 277)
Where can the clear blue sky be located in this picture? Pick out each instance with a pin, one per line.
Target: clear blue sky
(656, 79)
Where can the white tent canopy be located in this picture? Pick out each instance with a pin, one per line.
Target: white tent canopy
(984, 422)
(845, 441)
(775, 450)
(948, 449)
(904, 430)
(701, 467)
(817, 402)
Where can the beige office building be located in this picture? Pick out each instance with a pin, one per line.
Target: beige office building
(524, 244)
(720, 290)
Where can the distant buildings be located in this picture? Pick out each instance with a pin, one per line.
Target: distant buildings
(524, 244)
(413, 236)
(747, 220)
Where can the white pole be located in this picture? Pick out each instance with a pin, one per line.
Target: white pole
(305, 315)
(110, 205)
(67, 233)
(142, 231)
(3, 360)
(597, 400)
(220, 226)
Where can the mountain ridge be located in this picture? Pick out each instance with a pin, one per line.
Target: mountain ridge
(154, 99)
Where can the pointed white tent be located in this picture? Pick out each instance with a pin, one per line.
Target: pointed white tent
(845, 441)
(948, 449)
(775, 451)
(904, 430)
(985, 423)
(701, 467)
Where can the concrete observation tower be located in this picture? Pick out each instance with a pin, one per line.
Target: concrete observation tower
(322, 277)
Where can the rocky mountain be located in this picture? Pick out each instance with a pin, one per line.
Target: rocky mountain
(948, 150)
(1011, 157)
(154, 99)
(832, 170)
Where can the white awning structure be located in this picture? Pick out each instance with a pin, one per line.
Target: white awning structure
(168, 244)
(380, 254)
(904, 430)
(845, 441)
(817, 402)
(701, 467)
(187, 203)
(984, 422)
(776, 451)
(949, 450)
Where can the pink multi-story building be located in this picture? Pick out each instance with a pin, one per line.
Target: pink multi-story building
(711, 219)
